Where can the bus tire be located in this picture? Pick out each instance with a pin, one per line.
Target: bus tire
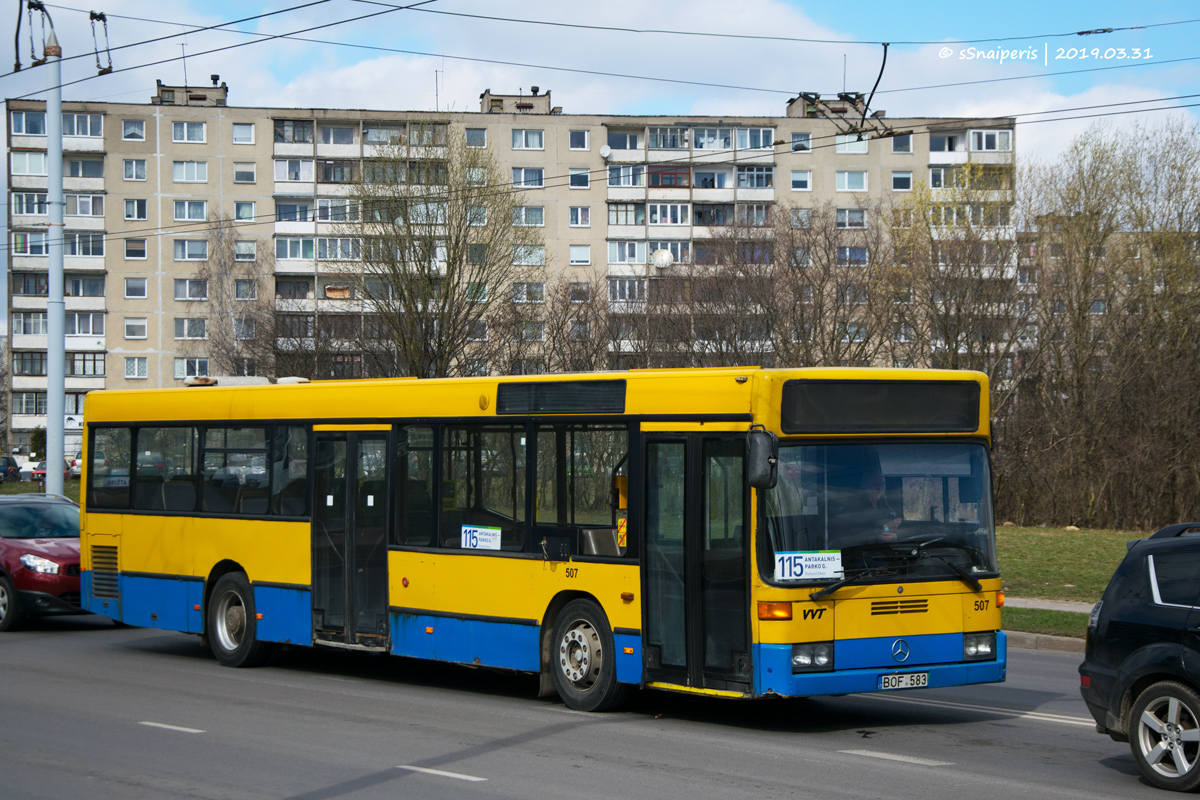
(232, 624)
(10, 609)
(584, 659)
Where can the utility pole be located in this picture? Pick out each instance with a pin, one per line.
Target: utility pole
(56, 345)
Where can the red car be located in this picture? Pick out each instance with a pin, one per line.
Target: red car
(39, 472)
(39, 557)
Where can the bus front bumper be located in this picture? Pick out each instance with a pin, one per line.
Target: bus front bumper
(774, 676)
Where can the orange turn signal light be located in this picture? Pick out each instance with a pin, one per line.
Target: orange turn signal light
(429, 630)
(999, 599)
(628, 651)
(774, 610)
(258, 616)
(627, 597)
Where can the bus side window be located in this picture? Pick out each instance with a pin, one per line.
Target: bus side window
(483, 485)
(414, 487)
(579, 472)
(108, 474)
(289, 472)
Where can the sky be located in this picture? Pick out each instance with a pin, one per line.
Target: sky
(432, 57)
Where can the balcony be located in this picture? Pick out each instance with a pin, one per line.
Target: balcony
(83, 144)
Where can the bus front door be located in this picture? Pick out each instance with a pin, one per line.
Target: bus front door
(696, 562)
(349, 539)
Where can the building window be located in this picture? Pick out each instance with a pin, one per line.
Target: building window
(243, 211)
(29, 364)
(802, 257)
(531, 332)
(190, 172)
(755, 138)
(529, 216)
(292, 212)
(135, 249)
(622, 141)
(627, 214)
(849, 143)
(754, 214)
(854, 332)
(712, 138)
(25, 163)
(133, 130)
(30, 244)
(243, 133)
(476, 176)
(245, 250)
(478, 332)
(940, 143)
(991, 141)
(83, 244)
(801, 142)
(244, 172)
(902, 143)
(245, 289)
(851, 256)
(332, 248)
(337, 135)
(29, 323)
(191, 249)
(851, 218)
(135, 367)
(36, 284)
(293, 169)
(136, 209)
(187, 132)
(578, 293)
(337, 171)
(293, 131)
(29, 123)
(476, 137)
(85, 364)
(135, 288)
(135, 169)
(85, 168)
(84, 205)
(627, 252)
(82, 125)
(581, 254)
(580, 216)
(191, 368)
(668, 139)
(378, 133)
(855, 181)
(670, 176)
(29, 203)
(529, 255)
(755, 177)
(801, 180)
(135, 327)
(668, 213)
(681, 251)
(191, 289)
(626, 289)
(579, 178)
(29, 403)
(633, 175)
(191, 328)
(294, 249)
(711, 180)
(577, 140)
(527, 139)
(902, 181)
(529, 293)
(84, 323)
(712, 214)
(427, 134)
(528, 177)
(190, 210)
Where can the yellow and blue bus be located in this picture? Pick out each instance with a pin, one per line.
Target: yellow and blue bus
(735, 533)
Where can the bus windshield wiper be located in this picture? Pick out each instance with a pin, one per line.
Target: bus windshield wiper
(967, 578)
(833, 587)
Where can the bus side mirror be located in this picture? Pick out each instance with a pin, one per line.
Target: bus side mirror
(764, 458)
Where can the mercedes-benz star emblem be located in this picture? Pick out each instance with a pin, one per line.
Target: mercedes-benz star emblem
(900, 650)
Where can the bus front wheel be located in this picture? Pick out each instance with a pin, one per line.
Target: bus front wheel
(233, 624)
(584, 658)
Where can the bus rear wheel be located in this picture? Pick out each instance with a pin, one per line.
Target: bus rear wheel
(233, 624)
(584, 658)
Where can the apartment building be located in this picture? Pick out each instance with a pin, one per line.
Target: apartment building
(145, 185)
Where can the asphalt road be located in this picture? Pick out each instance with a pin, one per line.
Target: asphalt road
(91, 710)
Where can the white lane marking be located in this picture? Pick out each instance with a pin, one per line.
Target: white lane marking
(925, 762)
(1036, 716)
(171, 727)
(456, 775)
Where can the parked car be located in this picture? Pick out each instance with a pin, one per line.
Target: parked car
(10, 470)
(153, 464)
(39, 557)
(39, 472)
(99, 464)
(1141, 674)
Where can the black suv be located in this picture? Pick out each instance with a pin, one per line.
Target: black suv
(1141, 675)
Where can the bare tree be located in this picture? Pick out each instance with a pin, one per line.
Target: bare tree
(240, 303)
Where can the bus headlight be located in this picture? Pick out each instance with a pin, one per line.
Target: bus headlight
(813, 657)
(979, 646)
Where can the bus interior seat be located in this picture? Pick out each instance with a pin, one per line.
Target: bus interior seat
(219, 499)
(417, 515)
(598, 542)
(179, 494)
(147, 492)
(253, 501)
(289, 500)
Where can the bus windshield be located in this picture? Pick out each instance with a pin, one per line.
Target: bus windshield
(911, 510)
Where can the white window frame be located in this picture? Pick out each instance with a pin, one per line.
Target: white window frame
(844, 219)
(184, 128)
(239, 166)
(806, 180)
(1003, 141)
(843, 181)
(79, 201)
(522, 215)
(908, 137)
(185, 286)
(287, 243)
(801, 142)
(25, 156)
(135, 321)
(626, 252)
(523, 175)
(575, 173)
(849, 143)
(140, 208)
(579, 254)
(137, 124)
(191, 328)
(712, 139)
(237, 125)
(627, 175)
(242, 205)
(522, 138)
(529, 255)
(144, 254)
(304, 165)
(239, 283)
(193, 210)
(191, 368)
(21, 115)
(899, 174)
(529, 292)
(130, 166)
(746, 138)
(587, 140)
(133, 282)
(188, 250)
(467, 137)
(136, 368)
(668, 214)
(755, 176)
(197, 169)
(89, 119)
(40, 204)
(325, 134)
(579, 216)
(245, 250)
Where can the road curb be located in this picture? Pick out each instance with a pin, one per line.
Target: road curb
(1042, 641)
